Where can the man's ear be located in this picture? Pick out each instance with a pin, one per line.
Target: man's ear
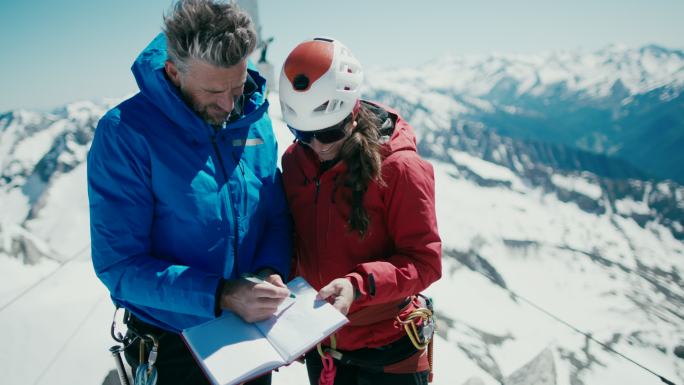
(172, 72)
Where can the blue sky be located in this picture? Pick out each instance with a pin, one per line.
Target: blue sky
(55, 52)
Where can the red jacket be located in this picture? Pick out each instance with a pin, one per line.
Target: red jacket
(401, 252)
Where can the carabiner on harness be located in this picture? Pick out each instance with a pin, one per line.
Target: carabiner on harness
(423, 339)
(146, 373)
(116, 350)
(420, 339)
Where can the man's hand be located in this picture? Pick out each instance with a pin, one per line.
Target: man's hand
(253, 301)
(340, 293)
(270, 276)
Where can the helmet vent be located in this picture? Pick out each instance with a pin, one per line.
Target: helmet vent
(349, 68)
(323, 39)
(300, 82)
(321, 108)
(335, 105)
(347, 86)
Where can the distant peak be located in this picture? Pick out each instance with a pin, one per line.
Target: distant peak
(659, 50)
(615, 48)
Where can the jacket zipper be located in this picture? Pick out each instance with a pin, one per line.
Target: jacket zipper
(230, 199)
(317, 183)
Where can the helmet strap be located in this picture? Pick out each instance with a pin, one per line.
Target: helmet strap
(356, 108)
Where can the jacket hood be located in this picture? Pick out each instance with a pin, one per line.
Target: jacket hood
(402, 137)
(150, 76)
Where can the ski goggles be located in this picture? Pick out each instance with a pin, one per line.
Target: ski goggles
(324, 136)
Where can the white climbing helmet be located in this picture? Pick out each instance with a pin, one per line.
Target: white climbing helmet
(319, 84)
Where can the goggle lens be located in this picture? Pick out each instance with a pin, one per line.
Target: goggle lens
(325, 136)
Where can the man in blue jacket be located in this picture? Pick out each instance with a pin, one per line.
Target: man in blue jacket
(185, 197)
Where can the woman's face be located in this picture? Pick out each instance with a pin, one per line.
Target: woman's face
(329, 151)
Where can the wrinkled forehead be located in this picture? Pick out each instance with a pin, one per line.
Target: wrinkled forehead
(203, 74)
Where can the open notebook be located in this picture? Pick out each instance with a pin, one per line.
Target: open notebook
(231, 351)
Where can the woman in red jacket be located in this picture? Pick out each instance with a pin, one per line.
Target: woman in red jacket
(363, 205)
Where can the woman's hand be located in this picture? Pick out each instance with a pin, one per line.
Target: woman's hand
(340, 293)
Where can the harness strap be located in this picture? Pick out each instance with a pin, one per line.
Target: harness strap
(374, 358)
(376, 313)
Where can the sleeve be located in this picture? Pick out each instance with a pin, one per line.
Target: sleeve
(412, 224)
(275, 246)
(121, 216)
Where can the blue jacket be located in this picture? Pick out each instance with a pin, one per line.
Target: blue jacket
(175, 206)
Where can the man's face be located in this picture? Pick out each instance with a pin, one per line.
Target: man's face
(209, 90)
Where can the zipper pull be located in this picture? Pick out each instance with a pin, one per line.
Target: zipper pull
(317, 182)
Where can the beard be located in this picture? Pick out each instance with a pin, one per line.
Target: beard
(202, 110)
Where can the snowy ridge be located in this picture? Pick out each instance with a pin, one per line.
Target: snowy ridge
(594, 75)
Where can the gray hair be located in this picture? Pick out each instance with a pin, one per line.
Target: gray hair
(220, 34)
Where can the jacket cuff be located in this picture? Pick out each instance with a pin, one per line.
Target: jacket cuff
(217, 299)
(357, 283)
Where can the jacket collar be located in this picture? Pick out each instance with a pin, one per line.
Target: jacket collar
(401, 136)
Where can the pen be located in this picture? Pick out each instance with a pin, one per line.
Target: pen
(256, 279)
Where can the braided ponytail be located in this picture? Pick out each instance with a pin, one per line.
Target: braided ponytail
(361, 153)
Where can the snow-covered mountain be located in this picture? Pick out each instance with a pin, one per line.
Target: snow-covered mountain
(42, 161)
(610, 102)
(535, 235)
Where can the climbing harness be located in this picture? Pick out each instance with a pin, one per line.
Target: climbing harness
(419, 326)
